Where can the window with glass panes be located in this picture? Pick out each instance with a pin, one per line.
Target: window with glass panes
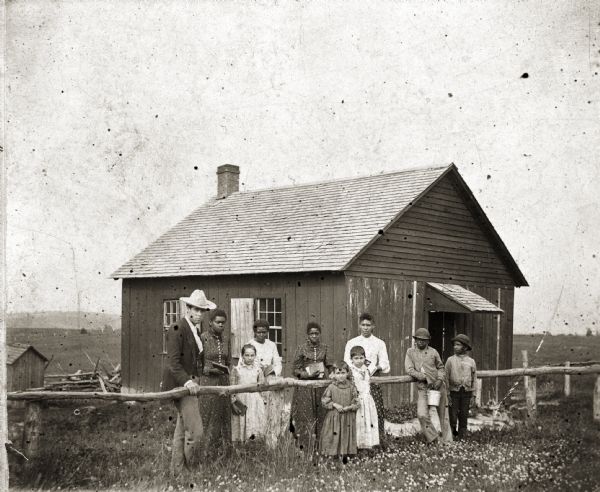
(269, 308)
(171, 313)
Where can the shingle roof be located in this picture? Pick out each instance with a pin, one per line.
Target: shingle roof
(467, 299)
(16, 350)
(316, 227)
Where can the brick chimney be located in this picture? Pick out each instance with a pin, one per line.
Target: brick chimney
(228, 180)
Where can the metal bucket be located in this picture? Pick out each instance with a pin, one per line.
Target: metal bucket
(433, 398)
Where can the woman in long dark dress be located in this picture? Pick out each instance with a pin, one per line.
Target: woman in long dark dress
(310, 362)
(215, 409)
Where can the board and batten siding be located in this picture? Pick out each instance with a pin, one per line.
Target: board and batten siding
(399, 306)
(439, 239)
(305, 297)
(390, 301)
(26, 372)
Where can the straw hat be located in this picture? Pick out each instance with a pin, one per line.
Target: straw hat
(198, 299)
(464, 339)
(422, 333)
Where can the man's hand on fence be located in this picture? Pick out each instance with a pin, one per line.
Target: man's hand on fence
(193, 388)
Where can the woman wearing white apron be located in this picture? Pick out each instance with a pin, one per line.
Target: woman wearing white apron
(270, 361)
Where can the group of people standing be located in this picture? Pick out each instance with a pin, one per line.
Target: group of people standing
(197, 359)
(316, 419)
(337, 419)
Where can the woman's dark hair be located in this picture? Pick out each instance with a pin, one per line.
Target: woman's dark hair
(357, 350)
(247, 346)
(217, 312)
(340, 365)
(365, 316)
(313, 324)
(260, 323)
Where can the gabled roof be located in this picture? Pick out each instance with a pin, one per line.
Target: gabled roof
(16, 350)
(471, 301)
(315, 227)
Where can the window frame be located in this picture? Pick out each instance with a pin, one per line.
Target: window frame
(169, 317)
(277, 329)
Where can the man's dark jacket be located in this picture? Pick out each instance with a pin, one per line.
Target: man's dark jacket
(184, 360)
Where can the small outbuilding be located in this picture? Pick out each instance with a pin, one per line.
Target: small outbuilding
(25, 367)
(413, 248)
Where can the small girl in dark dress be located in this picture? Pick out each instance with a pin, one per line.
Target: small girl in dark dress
(338, 435)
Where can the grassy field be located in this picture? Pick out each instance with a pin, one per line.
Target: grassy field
(67, 348)
(119, 446)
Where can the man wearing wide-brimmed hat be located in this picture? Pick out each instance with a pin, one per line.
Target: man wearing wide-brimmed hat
(424, 364)
(184, 365)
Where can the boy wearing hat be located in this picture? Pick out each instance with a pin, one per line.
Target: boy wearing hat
(462, 374)
(424, 364)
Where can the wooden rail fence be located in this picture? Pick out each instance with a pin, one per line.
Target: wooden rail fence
(34, 399)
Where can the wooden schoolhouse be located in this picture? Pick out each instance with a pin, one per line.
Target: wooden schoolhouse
(413, 248)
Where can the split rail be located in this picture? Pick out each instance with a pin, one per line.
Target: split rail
(33, 413)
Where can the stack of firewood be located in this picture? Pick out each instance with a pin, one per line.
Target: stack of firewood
(100, 379)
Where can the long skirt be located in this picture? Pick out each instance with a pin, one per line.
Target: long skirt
(338, 436)
(252, 424)
(367, 425)
(216, 413)
(307, 416)
(377, 395)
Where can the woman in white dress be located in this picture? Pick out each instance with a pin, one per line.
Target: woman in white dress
(270, 361)
(367, 426)
(252, 424)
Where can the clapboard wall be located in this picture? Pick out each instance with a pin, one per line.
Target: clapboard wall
(439, 239)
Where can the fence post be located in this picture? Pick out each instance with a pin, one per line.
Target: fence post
(530, 398)
(597, 399)
(529, 384)
(478, 383)
(32, 430)
(567, 381)
(525, 364)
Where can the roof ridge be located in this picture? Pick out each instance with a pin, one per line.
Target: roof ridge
(342, 180)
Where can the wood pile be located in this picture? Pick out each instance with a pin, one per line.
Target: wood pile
(98, 380)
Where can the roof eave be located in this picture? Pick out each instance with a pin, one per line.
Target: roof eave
(518, 277)
(222, 274)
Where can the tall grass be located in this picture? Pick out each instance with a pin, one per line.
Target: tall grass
(120, 446)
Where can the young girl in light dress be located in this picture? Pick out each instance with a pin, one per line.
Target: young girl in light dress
(338, 435)
(367, 426)
(252, 424)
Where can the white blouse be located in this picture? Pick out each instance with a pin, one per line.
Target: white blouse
(267, 354)
(375, 351)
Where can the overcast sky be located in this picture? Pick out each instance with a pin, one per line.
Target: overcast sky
(119, 113)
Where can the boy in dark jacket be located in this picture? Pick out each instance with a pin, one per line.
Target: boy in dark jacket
(462, 375)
